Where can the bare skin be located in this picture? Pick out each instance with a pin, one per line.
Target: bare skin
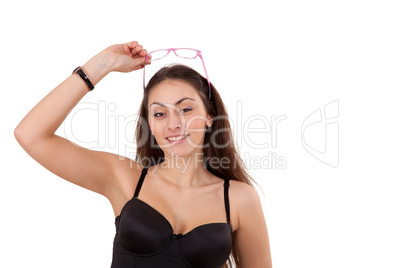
(175, 189)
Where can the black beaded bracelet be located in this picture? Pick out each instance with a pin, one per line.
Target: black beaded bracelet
(84, 77)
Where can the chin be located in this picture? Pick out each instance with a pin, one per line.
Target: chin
(178, 153)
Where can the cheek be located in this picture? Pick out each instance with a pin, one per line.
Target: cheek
(197, 123)
(154, 127)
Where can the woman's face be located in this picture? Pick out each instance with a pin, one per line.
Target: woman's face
(176, 110)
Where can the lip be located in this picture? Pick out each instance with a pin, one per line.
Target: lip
(176, 136)
(178, 141)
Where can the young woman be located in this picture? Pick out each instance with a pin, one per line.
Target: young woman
(186, 200)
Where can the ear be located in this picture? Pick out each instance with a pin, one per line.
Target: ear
(210, 121)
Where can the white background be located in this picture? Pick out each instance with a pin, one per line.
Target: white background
(276, 58)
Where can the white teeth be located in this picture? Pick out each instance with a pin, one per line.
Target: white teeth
(176, 138)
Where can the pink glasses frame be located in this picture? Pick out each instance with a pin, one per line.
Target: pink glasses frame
(174, 50)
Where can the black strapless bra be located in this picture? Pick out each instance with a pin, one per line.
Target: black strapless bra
(145, 238)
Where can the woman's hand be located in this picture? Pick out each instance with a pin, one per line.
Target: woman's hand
(126, 57)
(119, 58)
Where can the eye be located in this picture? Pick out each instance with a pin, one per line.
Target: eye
(158, 114)
(187, 109)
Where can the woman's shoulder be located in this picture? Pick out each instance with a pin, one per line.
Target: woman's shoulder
(242, 191)
(238, 189)
(243, 199)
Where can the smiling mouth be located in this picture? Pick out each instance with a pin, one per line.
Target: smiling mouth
(177, 138)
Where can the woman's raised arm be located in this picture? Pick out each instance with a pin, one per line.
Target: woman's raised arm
(92, 170)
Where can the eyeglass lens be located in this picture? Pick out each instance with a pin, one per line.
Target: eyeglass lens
(182, 53)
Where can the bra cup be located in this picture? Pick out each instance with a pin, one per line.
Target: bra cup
(145, 236)
(208, 245)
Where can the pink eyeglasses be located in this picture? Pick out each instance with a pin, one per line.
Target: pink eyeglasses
(186, 53)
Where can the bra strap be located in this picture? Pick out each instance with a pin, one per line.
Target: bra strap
(226, 195)
(139, 184)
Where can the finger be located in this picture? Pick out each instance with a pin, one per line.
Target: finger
(143, 52)
(145, 61)
(148, 59)
(136, 50)
(132, 44)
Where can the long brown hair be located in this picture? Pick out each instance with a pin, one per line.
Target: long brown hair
(220, 132)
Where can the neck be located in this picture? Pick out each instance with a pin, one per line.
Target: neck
(183, 170)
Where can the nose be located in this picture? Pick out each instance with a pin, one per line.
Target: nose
(175, 120)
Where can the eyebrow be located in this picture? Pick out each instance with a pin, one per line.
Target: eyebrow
(178, 102)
